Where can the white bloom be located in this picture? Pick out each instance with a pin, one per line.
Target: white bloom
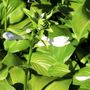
(8, 35)
(40, 43)
(28, 30)
(82, 78)
(11, 36)
(60, 41)
(45, 39)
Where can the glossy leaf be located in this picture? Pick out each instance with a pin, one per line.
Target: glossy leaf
(41, 63)
(13, 7)
(80, 22)
(39, 82)
(17, 75)
(13, 46)
(58, 70)
(62, 85)
(11, 60)
(82, 75)
(19, 28)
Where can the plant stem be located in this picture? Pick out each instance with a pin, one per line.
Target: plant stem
(27, 71)
(5, 22)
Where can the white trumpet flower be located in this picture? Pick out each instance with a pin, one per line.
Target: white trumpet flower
(60, 41)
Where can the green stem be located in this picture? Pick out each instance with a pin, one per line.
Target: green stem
(27, 71)
(5, 22)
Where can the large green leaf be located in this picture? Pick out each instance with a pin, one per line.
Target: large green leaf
(11, 60)
(13, 46)
(48, 57)
(47, 65)
(62, 53)
(20, 28)
(80, 22)
(17, 75)
(59, 85)
(14, 10)
(4, 85)
(41, 63)
(39, 82)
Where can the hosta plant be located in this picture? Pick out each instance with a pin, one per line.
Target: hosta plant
(44, 45)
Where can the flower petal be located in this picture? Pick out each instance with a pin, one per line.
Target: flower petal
(60, 41)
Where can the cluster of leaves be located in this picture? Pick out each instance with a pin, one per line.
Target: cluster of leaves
(29, 62)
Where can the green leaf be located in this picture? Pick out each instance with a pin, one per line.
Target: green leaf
(19, 28)
(61, 54)
(58, 70)
(3, 73)
(82, 75)
(62, 85)
(4, 85)
(13, 46)
(46, 57)
(14, 10)
(47, 65)
(58, 30)
(85, 85)
(17, 75)
(80, 22)
(41, 62)
(86, 60)
(17, 14)
(11, 60)
(39, 82)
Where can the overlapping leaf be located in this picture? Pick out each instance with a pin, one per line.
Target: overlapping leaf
(13, 46)
(51, 57)
(80, 21)
(14, 10)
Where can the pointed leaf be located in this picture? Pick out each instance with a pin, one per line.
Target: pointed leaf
(11, 60)
(17, 75)
(13, 46)
(82, 75)
(41, 63)
(62, 85)
(3, 73)
(80, 22)
(39, 82)
(4, 85)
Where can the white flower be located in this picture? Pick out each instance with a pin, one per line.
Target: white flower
(28, 30)
(11, 36)
(60, 41)
(40, 43)
(8, 35)
(82, 78)
(45, 39)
